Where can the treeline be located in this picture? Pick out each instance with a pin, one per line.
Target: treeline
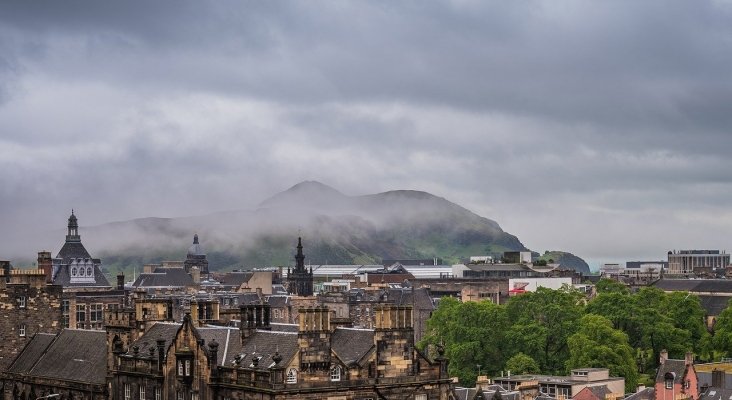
(554, 331)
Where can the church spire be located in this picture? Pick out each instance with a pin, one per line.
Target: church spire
(300, 257)
(72, 234)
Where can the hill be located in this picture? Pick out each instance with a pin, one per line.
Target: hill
(336, 229)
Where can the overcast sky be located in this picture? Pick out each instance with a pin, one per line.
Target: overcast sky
(602, 128)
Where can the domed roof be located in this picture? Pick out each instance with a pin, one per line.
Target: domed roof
(196, 249)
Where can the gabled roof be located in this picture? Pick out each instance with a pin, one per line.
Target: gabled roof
(159, 330)
(72, 355)
(714, 305)
(350, 344)
(235, 278)
(677, 368)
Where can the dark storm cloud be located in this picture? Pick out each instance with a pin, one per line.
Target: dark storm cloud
(599, 110)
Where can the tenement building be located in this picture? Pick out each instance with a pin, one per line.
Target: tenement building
(28, 306)
(258, 360)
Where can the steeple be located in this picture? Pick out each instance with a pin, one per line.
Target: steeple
(73, 229)
(299, 258)
(195, 238)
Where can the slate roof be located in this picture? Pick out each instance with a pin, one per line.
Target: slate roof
(248, 298)
(714, 305)
(277, 327)
(645, 394)
(278, 301)
(716, 394)
(695, 285)
(63, 278)
(350, 344)
(264, 344)
(229, 340)
(31, 353)
(73, 355)
(676, 367)
(159, 330)
(164, 277)
(72, 250)
(235, 278)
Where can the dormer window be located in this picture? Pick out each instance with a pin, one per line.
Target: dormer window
(81, 271)
(89, 271)
(292, 375)
(73, 271)
(184, 364)
(669, 380)
(335, 373)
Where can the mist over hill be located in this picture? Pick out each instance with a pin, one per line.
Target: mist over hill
(336, 229)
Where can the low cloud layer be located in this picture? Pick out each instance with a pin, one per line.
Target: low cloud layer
(597, 128)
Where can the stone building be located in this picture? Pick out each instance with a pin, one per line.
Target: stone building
(28, 305)
(300, 280)
(259, 360)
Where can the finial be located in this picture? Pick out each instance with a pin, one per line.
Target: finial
(195, 238)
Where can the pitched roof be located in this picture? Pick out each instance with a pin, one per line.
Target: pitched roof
(350, 344)
(228, 338)
(72, 250)
(235, 278)
(278, 301)
(695, 285)
(716, 394)
(675, 367)
(74, 354)
(159, 330)
(645, 394)
(264, 344)
(164, 277)
(31, 353)
(714, 305)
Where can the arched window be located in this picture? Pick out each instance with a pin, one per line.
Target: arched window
(81, 271)
(292, 375)
(335, 373)
(88, 271)
(73, 271)
(669, 378)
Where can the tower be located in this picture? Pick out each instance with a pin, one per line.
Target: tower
(196, 257)
(300, 280)
(72, 234)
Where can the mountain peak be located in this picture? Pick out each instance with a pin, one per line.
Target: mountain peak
(305, 194)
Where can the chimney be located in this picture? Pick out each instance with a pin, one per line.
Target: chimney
(663, 357)
(196, 275)
(120, 281)
(213, 349)
(5, 266)
(45, 263)
(689, 358)
(246, 326)
(718, 378)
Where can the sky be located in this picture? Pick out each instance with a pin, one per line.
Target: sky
(600, 128)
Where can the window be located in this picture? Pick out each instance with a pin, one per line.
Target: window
(292, 375)
(180, 368)
(194, 396)
(687, 384)
(73, 271)
(669, 383)
(96, 312)
(81, 271)
(142, 392)
(21, 301)
(420, 397)
(335, 373)
(65, 313)
(89, 271)
(80, 315)
(157, 393)
(179, 395)
(128, 392)
(21, 330)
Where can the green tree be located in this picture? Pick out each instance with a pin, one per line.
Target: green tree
(606, 285)
(597, 344)
(723, 332)
(522, 364)
(472, 333)
(541, 323)
(687, 313)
